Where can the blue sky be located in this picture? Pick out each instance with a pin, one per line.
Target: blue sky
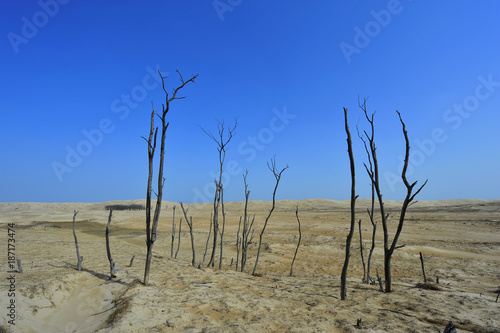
(78, 78)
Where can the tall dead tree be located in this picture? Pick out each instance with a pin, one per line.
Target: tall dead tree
(389, 247)
(343, 277)
(173, 234)
(151, 225)
(79, 258)
(277, 176)
(190, 225)
(108, 250)
(224, 136)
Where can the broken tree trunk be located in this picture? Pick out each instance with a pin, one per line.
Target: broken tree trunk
(108, 250)
(80, 258)
(423, 268)
(298, 243)
(178, 239)
(173, 235)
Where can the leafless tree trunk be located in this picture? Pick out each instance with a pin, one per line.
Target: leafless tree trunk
(215, 223)
(277, 176)
(223, 226)
(131, 261)
(374, 176)
(208, 240)
(361, 250)
(190, 224)
(108, 250)
(151, 226)
(222, 143)
(238, 245)
(248, 231)
(343, 288)
(173, 234)
(369, 279)
(298, 243)
(79, 258)
(423, 268)
(178, 239)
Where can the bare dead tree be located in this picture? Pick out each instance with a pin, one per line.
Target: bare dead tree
(298, 242)
(151, 225)
(343, 277)
(173, 234)
(248, 232)
(224, 136)
(79, 258)
(277, 176)
(108, 250)
(178, 239)
(374, 176)
(190, 224)
(208, 240)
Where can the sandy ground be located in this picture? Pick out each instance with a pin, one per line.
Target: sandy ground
(460, 241)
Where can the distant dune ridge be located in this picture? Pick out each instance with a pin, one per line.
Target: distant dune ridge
(458, 238)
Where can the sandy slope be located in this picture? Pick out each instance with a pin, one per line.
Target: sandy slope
(459, 239)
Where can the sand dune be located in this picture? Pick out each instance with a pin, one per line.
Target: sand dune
(458, 238)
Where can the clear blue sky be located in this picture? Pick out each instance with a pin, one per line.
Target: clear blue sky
(78, 79)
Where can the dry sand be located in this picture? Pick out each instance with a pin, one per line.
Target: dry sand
(460, 241)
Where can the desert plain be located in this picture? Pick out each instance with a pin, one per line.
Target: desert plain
(459, 241)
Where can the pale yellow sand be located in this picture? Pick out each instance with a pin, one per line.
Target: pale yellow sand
(460, 241)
